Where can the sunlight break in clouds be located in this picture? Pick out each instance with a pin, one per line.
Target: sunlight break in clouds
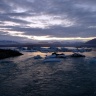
(48, 19)
(42, 38)
(10, 23)
(54, 38)
(45, 21)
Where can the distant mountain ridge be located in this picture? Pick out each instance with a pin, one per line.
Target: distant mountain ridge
(93, 42)
(7, 42)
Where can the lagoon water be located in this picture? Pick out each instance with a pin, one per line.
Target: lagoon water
(26, 76)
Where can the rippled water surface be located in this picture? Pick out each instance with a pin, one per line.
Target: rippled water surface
(26, 76)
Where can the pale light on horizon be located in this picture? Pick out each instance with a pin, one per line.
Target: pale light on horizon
(43, 38)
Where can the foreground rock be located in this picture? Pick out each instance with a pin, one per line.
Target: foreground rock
(6, 53)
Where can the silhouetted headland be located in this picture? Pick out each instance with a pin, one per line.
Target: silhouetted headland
(6, 53)
(90, 43)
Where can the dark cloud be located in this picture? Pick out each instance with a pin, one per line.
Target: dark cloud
(55, 31)
(5, 17)
(31, 15)
(4, 7)
(22, 14)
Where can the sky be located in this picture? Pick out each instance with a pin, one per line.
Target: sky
(44, 20)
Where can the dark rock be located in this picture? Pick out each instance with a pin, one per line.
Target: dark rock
(6, 53)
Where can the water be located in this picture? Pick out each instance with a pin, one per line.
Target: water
(25, 76)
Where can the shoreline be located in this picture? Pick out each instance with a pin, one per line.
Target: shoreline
(7, 53)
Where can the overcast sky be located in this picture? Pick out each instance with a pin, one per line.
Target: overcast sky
(31, 20)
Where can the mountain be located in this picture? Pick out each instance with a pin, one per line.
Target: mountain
(7, 42)
(91, 43)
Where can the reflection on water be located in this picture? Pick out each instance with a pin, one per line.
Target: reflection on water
(25, 76)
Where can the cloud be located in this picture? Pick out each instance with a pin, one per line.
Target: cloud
(53, 18)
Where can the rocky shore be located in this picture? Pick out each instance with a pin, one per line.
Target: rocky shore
(6, 53)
